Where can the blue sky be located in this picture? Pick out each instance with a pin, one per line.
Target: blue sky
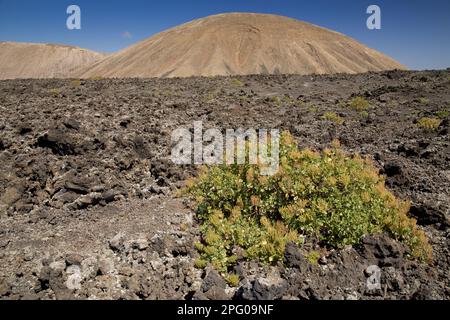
(414, 32)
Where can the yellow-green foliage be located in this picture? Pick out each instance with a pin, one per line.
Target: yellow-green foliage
(276, 100)
(55, 91)
(359, 104)
(237, 82)
(329, 195)
(443, 113)
(342, 104)
(429, 124)
(75, 83)
(424, 101)
(232, 279)
(333, 117)
(313, 108)
(168, 93)
(287, 100)
(313, 257)
(210, 96)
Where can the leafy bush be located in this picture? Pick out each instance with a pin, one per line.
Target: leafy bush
(333, 117)
(429, 124)
(328, 195)
(359, 104)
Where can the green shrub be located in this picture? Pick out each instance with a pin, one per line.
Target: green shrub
(329, 195)
(429, 124)
(333, 117)
(359, 104)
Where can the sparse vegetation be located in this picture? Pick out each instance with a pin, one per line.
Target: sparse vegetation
(313, 257)
(429, 124)
(168, 93)
(424, 101)
(210, 96)
(287, 100)
(332, 196)
(359, 104)
(333, 117)
(443, 113)
(55, 91)
(237, 82)
(276, 100)
(342, 104)
(364, 114)
(313, 108)
(75, 83)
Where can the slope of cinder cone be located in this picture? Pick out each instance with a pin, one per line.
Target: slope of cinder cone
(242, 43)
(33, 60)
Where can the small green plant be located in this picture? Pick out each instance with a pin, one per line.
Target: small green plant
(276, 100)
(287, 100)
(329, 195)
(232, 280)
(313, 257)
(210, 96)
(443, 113)
(359, 104)
(364, 114)
(429, 124)
(244, 99)
(75, 83)
(424, 101)
(313, 108)
(333, 117)
(237, 82)
(342, 104)
(168, 93)
(55, 91)
(200, 263)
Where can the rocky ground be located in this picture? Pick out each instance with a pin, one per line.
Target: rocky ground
(87, 189)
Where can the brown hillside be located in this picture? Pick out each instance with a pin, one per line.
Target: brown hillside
(32, 60)
(242, 43)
